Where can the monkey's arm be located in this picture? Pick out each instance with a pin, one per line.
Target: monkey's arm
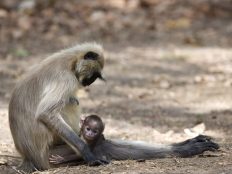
(63, 154)
(48, 113)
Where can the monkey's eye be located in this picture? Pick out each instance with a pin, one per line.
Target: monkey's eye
(88, 129)
(91, 56)
(95, 132)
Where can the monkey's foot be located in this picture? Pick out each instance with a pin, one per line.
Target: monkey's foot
(199, 138)
(27, 167)
(195, 146)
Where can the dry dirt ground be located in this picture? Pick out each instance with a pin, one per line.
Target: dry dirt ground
(157, 94)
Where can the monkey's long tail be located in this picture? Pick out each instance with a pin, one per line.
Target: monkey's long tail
(125, 150)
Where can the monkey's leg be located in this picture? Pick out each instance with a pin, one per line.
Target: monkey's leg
(35, 154)
(34, 158)
(32, 141)
(26, 166)
(124, 150)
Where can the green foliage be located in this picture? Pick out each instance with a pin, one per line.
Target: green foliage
(21, 52)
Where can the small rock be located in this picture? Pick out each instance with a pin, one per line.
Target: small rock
(198, 79)
(97, 16)
(24, 23)
(27, 5)
(228, 83)
(141, 160)
(3, 161)
(3, 13)
(17, 34)
(164, 84)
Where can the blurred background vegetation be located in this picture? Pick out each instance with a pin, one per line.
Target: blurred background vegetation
(28, 26)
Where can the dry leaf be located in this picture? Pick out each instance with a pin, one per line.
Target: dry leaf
(196, 130)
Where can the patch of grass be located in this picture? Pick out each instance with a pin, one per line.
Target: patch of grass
(21, 52)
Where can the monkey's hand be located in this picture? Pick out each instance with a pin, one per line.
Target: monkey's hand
(195, 146)
(56, 159)
(92, 160)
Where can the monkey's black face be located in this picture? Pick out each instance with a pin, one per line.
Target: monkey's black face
(90, 79)
(89, 68)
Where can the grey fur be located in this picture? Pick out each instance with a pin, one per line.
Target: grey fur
(124, 150)
(40, 114)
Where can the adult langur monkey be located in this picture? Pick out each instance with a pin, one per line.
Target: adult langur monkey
(42, 113)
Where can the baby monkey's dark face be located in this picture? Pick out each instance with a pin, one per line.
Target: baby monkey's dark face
(91, 130)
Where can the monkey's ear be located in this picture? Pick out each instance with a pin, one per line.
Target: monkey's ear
(82, 120)
(91, 56)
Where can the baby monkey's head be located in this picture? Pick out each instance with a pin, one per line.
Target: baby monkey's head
(92, 128)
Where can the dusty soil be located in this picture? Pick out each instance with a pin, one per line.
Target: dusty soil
(168, 71)
(153, 94)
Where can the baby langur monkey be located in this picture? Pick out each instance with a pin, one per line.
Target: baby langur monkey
(91, 132)
(92, 128)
